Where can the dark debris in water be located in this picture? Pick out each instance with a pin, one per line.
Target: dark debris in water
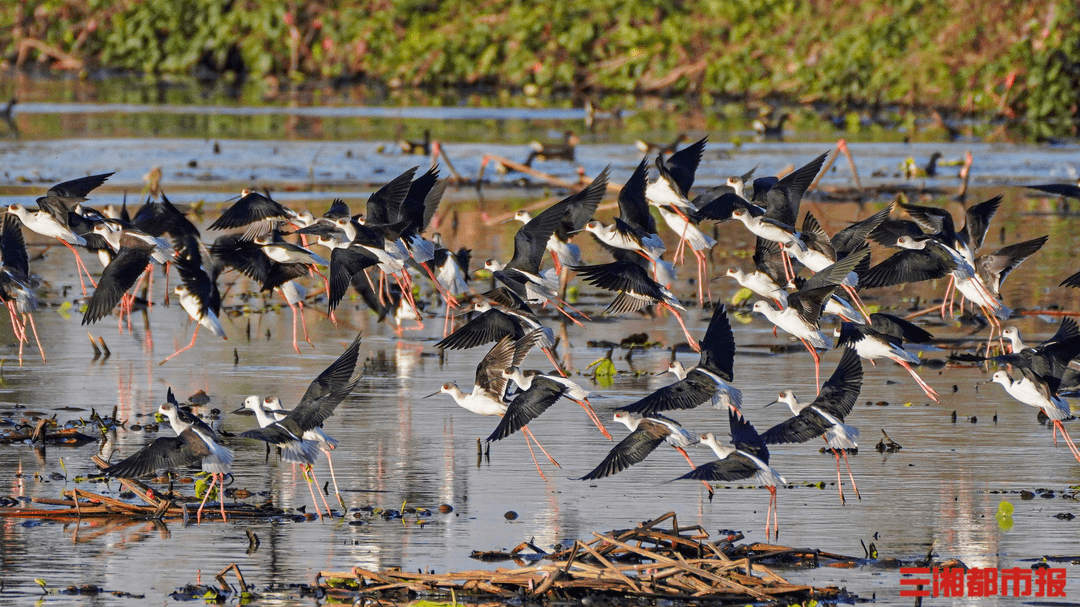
(644, 562)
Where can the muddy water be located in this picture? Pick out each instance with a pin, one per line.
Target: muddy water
(942, 489)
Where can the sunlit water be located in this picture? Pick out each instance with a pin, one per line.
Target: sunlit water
(940, 490)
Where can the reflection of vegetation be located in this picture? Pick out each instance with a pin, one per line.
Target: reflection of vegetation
(1015, 59)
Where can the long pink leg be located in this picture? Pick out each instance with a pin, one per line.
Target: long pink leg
(596, 420)
(839, 483)
(554, 362)
(930, 392)
(303, 323)
(18, 329)
(855, 299)
(81, 268)
(555, 262)
(689, 338)
(406, 292)
(702, 283)
(533, 454)
(314, 500)
(948, 290)
(527, 432)
(187, 347)
(1068, 439)
(853, 485)
(333, 477)
(295, 345)
(774, 508)
(33, 327)
(817, 363)
(691, 462)
(311, 470)
(221, 490)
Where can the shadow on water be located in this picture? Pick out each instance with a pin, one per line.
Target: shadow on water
(943, 488)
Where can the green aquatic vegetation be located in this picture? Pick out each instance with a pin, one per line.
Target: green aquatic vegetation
(998, 59)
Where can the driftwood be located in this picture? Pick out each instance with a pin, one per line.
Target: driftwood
(644, 562)
(79, 503)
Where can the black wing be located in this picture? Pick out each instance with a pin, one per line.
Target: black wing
(344, 265)
(735, 467)
(852, 237)
(489, 326)
(718, 204)
(839, 393)
(12, 245)
(746, 438)
(977, 222)
(718, 347)
(909, 265)
(119, 276)
(996, 267)
(621, 276)
(633, 207)
(680, 168)
(384, 204)
(1061, 189)
(413, 207)
(783, 198)
(252, 208)
(898, 328)
(165, 453)
(527, 406)
(932, 219)
(77, 189)
(768, 260)
(805, 426)
(530, 241)
(329, 389)
(630, 450)
(687, 393)
(582, 206)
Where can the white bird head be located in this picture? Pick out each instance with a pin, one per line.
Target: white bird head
(761, 306)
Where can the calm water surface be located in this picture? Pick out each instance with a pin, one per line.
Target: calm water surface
(941, 490)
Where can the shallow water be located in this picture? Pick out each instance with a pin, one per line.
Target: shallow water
(396, 447)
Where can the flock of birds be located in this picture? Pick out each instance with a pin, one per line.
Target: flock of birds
(800, 272)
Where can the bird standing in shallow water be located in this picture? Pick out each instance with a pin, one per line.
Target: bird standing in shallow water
(194, 443)
(322, 397)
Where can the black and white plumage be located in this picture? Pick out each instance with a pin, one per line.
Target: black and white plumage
(646, 434)
(884, 337)
(634, 229)
(825, 415)
(527, 405)
(257, 213)
(635, 288)
(802, 315)
(199, 297)
(570, 389)
(747, 458)
(579, 210)
(16, 286)
(707, 382)
(194, 444)
(120, 275)
(322, 397)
